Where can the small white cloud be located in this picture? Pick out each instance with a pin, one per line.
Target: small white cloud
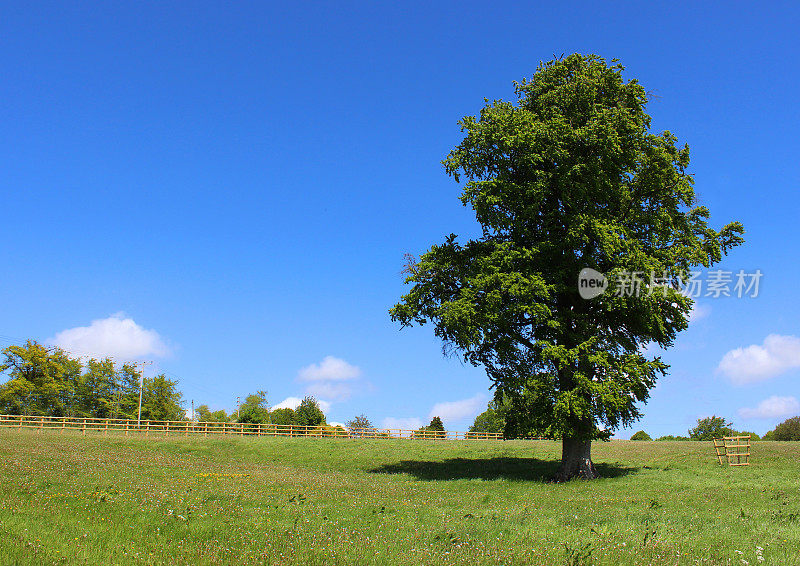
(288, 403)
(454, 410)
(116, 336)
(407, 423)
(772, 408)
(699, 312)
(294, 402)
(329, 369)
(336, 391)
(336, 423)
(775, 356)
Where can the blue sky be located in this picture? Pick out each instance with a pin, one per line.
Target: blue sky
(229, 191)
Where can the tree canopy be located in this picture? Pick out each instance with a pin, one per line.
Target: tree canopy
(47, 381)
(567, 177)
(710, 428)
(787, 430)
(308, 413)
(491, 420)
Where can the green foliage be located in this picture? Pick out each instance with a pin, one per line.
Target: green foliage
(46, 381)
(308, 413)
(488, 421)
(206, 415)
(96, 390)
(42, 381)
(671, 437)
(710, 428)
(491, 420)
(753, 435)
(282, 417)
(641, 435)
(361, 425)
(161, 400)
(254, 409)
(570, 176)
(434, 430)
(360, 422)
(436, 424)
(787, 430)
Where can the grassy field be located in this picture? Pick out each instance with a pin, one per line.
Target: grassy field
(95, 500)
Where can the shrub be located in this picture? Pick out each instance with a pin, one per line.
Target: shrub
(308, 413)
(282, 416)
(488, 421)
(787, 430)
(710, 428)
(753, 435)
(359, 422)
(672, 437)
(641, 435)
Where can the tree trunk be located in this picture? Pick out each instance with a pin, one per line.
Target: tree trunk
(576, 461)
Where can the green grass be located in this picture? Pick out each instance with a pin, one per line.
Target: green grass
(97, 500)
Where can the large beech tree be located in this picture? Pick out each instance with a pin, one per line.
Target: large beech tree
(567, 177)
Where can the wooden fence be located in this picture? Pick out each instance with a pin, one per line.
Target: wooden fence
(735, 449)
(154, 428)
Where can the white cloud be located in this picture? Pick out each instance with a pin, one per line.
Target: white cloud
(294, 402)
(329, 369)
(330, 379)
(336, 423)
(407, 423)
(117, 336)
(755, 363)
(699, 312)
(772, 408)
(329, 390)
(288, 403)
(454, 410)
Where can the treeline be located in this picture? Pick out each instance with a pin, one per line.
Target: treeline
(494, 419)
(256, 410)
(49, 382)
(713, 427)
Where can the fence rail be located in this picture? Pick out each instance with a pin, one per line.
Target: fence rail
(186, 428)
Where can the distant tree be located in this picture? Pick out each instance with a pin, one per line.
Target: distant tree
(671, 437)
(206, 415)
(491, 420)
(128, 402)
(753, 435)
(97, 390)
(360, 422)
(787, 430)
(254, 409)
(436, 424)
(641, 435)
(710, 428)
(41, 380)
(283, 416)
(161, 400)
(434, 430)
(308, 413)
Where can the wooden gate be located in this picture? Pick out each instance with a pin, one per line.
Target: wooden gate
(735, 449)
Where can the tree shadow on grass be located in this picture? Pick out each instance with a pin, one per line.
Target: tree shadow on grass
(513, 469)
